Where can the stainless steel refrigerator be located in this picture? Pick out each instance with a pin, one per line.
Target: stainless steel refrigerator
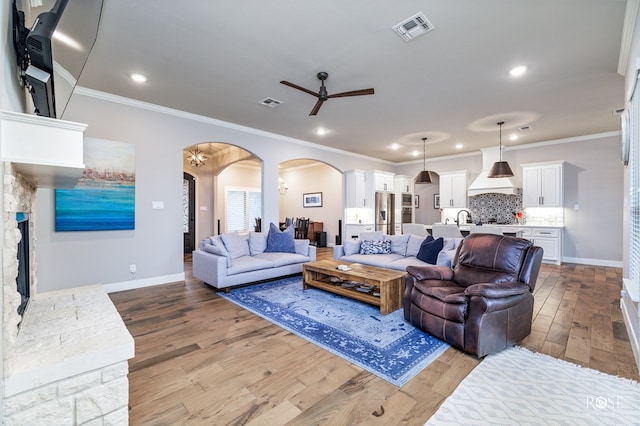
(385, 212)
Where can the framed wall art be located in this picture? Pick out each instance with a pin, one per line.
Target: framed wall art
(312, 199)
(436, 201)
(104, 197)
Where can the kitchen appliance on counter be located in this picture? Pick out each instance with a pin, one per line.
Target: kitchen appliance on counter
(385, 212)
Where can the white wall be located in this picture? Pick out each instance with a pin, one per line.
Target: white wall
(83, 258)
(317, 178)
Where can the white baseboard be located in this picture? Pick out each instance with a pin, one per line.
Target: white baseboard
(146, 282)
(628, 313)
(595, 262)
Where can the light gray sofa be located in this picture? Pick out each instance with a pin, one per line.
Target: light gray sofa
(232, 259)
(403, 251)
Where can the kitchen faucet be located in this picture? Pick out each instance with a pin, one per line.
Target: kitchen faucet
(469, 220)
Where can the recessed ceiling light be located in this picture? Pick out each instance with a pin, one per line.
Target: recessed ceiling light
(138, 78)
(513, 137)
(415, 153)
(395, 146)
(458, 146)
(518, 71)
(320, 131)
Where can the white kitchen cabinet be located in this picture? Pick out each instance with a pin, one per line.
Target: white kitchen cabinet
(402, 184)
(542, 185)
(550, 239)
(453, 189)
(353, 231)
(355, 189)
(382, 181)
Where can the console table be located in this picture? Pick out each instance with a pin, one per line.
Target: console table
(313, 228)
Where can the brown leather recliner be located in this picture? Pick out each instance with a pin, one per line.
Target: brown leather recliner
(484, 304)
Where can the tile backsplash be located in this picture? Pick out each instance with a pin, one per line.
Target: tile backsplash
(500, 207)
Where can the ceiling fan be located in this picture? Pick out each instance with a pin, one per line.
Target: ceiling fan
(322, 93)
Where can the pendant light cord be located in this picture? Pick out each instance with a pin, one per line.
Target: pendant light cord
(500, 123)
(424, 153)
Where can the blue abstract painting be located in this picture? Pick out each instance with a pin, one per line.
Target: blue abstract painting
(104, 197)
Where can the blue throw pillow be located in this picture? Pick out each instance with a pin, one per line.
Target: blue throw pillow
(280, 241)
(375, 247)
(429, 250)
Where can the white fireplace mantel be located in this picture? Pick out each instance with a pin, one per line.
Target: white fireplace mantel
(47, 151)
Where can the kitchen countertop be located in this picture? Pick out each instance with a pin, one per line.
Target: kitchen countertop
(466, 227)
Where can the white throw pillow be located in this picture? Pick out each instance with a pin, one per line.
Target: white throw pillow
(302, 247)
(217, 250)
(237, 245)
(398, 243)
(257, 242)
(413, 245)
(351, 247)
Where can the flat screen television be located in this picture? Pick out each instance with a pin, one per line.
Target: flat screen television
(53, 42)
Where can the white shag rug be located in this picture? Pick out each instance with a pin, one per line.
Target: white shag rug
(517, 386)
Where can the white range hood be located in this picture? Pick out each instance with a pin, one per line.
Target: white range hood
(486, 185)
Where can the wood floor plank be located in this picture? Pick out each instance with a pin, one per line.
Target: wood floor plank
(203, 360)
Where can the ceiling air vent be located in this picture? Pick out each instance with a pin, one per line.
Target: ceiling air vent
(524, 128)
(413, 27)
(270, 102)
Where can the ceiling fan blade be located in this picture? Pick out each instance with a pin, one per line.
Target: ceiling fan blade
(316, 108)
(295, 86)
(352, 93)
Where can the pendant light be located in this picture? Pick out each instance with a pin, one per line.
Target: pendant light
(424, 176)
(500, 169)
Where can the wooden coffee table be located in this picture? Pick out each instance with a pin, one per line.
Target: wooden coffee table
(389, 283)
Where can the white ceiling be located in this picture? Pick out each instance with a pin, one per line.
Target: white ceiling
(220, 58)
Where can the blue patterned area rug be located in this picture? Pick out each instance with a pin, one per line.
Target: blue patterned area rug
(384, 345)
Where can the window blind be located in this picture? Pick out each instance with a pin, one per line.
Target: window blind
(243, 205)
(634, 189)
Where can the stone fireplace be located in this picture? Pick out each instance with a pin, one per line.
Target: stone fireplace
(65, 359)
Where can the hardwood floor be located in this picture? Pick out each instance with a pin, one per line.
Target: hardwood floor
(203, 360)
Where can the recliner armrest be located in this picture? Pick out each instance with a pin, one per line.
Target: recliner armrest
(420, 273)
(496, 290)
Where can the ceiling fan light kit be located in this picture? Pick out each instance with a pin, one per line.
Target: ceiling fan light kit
(500, 169)
(323, 95)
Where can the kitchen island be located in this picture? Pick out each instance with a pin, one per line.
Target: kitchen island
(547, 236)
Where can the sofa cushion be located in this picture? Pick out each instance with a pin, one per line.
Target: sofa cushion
(451, 243)
(219, 251)
(237, 245)
(280, 241)
(413, 245)
(301, 247)
(398, 243)
(379, 260)
(402, 263)
(257, 242)
(372, 235)
(248, 264)
(281, 259)
(429, 250)
(445, 257)
(375, 247)
(351, 247)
